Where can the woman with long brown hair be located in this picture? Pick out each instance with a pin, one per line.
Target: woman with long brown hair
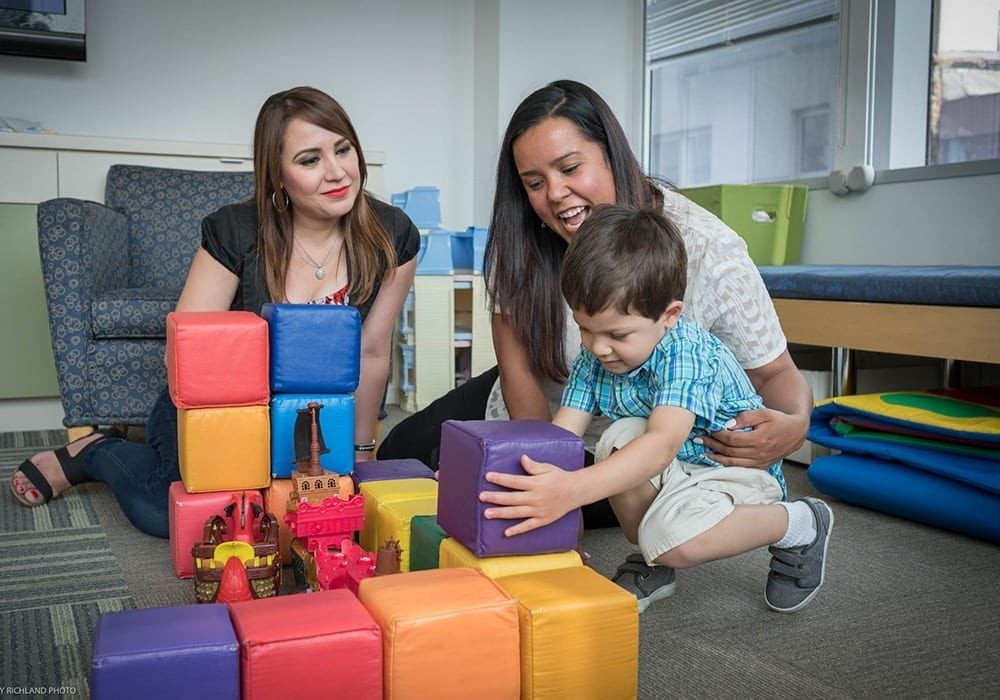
(310, 235)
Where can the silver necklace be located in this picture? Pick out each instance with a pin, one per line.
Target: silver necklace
(319, 273)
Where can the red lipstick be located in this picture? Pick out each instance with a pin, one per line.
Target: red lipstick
(339, 192)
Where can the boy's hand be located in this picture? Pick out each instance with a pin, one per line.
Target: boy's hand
(541, 496)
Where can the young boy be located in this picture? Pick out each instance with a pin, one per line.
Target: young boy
(663, 381)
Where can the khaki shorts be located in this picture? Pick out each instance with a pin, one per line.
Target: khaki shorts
(691, 498)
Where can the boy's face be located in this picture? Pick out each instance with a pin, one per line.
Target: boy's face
(620, 341)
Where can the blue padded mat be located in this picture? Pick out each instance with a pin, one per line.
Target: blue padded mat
(974, 472)
(914, 494)
(937, 285)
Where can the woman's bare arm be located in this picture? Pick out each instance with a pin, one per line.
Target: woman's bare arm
(522, 391)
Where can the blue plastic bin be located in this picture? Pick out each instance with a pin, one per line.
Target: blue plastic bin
(445, 252)
(421, 204)
(479, 235)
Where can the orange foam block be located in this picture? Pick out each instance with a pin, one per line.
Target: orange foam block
(275, 501)
(579, 634)
(217, 358)
(224, 449)
(446, 634)
(322, 645)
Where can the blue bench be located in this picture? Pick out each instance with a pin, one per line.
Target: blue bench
(950, 312)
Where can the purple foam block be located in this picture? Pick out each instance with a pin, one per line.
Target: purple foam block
(386, 469)
(179, 651)
(469, 449)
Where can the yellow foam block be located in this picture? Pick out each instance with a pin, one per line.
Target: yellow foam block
(454, 554)
(579, 634)
(446, 634)
(224, 449)
(378, 493)
(392, 520)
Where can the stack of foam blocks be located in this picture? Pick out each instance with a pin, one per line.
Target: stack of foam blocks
(315, 359)
(479, 614)
(217, 375)
(579, 632)
(395, 492)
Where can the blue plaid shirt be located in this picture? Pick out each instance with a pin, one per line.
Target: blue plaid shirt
(690, 369)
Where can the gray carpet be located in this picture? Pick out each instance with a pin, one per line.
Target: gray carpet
(907, 611)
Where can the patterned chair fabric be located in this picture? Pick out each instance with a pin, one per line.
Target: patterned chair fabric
(112, 272)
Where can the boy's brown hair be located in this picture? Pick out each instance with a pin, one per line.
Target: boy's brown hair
(630, 259)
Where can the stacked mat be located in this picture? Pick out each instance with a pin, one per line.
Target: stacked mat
(929, 457)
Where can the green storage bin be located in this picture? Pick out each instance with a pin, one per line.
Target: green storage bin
(770, 218)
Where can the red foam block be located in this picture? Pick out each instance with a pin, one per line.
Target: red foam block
(322, 645)
(217, 358)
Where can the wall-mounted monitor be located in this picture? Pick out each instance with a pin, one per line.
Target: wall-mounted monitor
(43, 29)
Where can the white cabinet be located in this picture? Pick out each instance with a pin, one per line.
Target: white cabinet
(36, 167)
(445, 338)
(83, 175)
(28, 176)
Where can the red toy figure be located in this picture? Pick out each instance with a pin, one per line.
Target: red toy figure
(326, 525)
(360, 565)
(251, 541)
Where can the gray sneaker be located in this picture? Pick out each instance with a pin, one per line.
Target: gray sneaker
(646, 583)
(797, 572)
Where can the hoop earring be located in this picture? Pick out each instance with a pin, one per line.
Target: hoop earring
(275, 202)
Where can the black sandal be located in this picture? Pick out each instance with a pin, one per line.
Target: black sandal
(72, 468)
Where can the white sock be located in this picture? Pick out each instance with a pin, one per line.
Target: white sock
(801, 525)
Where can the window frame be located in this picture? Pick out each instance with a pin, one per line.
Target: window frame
(865, 93)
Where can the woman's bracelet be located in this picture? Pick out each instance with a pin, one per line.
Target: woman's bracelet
(365, 447)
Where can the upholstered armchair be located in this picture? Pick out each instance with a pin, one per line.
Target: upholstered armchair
(112, 272)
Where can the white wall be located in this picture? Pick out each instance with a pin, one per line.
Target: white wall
(429, 82)
(432, 84)
(537, 41)
(190, 70)
(952, 221)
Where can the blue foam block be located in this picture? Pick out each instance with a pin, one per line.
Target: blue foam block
(336, 423)
(315, 348)
(908, 492)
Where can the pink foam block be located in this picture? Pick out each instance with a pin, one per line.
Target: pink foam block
(187, 516)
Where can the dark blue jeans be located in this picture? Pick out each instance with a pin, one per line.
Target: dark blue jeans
(419, 436)
(138, 474)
